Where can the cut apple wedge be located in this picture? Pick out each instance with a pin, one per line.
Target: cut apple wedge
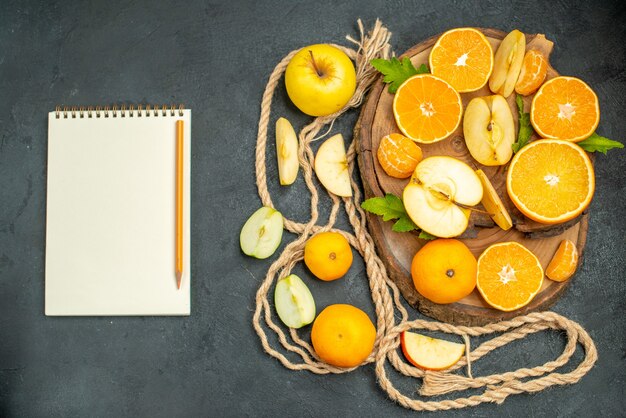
(294, 302)
(493, 204)
(430, 353)
(508, 63)
(262, 233)
(286, 152)
(489, 130)
(439, 194)
(331, 166)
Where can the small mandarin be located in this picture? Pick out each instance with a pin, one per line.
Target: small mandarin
(444, 271)
(398, 155)
(343, 335)
(328, 255)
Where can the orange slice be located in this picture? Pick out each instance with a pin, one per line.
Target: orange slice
(534, 71)
(463, 57)
(398, 155)
(565, 108)
(563, 264)
(427, 109)
(509, 276)
(551, 181)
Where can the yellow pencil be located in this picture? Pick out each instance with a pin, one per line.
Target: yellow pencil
(179, 202)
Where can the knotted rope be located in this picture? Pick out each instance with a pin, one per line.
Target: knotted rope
(385, 294)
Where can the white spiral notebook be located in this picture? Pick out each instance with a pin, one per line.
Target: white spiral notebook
(110, 216)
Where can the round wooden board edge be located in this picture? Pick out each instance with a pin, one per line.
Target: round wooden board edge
(463, 314)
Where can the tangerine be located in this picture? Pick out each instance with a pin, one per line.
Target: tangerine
(398, 155)
(328, 255)
(444, 271)
(343, 335)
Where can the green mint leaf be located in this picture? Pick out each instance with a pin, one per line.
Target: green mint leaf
(389, 207)
(425, 235)
(404, 224)
(525, 129)
(599, 143)
(423, 69)
(397, 72)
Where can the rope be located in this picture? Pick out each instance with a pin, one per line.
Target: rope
(385, 294)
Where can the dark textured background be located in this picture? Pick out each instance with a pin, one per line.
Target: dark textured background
(216, 58)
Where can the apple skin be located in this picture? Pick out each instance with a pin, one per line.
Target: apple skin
(320, 79)
(413, 345)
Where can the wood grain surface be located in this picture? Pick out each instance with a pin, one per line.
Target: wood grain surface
(397, 249)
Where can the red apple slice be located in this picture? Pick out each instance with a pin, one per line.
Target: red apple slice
(430, 353)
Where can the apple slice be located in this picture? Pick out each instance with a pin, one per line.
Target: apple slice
(439, 194)
(287, 152)
(508, 63)
(489, 130)
(262, 233)
(493, 204)
(294, 302)
(331, 166)
(430, 353)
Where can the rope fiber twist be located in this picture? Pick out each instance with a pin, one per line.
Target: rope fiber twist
(385, 294)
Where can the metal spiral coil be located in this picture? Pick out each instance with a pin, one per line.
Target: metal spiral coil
(115, 111)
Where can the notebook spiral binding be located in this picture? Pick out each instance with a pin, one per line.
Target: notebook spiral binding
(115, 111)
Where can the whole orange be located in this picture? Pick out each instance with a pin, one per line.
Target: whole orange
(343, 335)
(444, 271)
(328, 255)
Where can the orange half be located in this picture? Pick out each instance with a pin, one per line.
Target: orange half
(565, 108)
(464, 58)
(509, 276)
(551, 180)
(427, 109)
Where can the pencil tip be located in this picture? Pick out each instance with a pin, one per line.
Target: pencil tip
(179, 277)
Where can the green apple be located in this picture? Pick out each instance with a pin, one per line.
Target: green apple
(331, 166)
(262, 233)
(287, 152)
(294, 302)
(320, 79)
(439, 194)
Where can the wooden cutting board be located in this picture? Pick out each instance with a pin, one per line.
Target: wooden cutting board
(397, 249)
